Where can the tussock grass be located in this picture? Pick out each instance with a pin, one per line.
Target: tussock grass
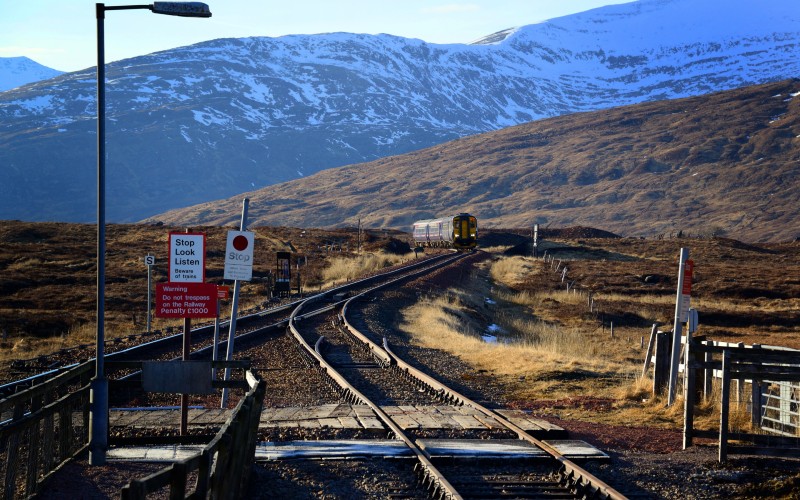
(538, 299)
(512, 270)
(547, 359)
(349, 268)
(527, 346)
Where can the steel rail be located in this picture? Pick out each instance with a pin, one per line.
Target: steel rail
(430, 472)
(573, 470)
(576, 473)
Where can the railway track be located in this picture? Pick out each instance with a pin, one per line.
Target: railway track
(371, 374)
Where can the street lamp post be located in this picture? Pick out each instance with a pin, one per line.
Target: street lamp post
(98, 407)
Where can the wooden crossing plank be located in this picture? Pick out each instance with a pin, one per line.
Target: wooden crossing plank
(208, 417)
(405, 421)
(286, 413)
(489, 422)
(575, 449)
(330, 423)
(363, 411)
(494, 448)
(322, 411)
(536, 427)
(468, 422)
(442, 421)
(425, 420)
(371, 423)
(392, 410)
(467, 410)
(349, 423)
(309, 424)
(342, 410)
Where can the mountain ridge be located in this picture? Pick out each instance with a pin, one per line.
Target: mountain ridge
(721, 164)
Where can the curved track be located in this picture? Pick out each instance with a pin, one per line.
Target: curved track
(351, 361)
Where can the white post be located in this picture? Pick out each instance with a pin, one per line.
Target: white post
(676, 331)
(149, 261)
(216, 342)
(234, 307)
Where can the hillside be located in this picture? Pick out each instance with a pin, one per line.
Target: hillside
(721, 164)
(214, 119)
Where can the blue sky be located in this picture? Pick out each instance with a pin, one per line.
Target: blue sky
(62, 34)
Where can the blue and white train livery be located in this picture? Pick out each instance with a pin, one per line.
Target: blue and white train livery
(458, 231)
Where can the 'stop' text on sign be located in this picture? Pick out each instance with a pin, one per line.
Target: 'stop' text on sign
(187, 255)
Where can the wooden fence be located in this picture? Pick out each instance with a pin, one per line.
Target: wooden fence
(41, 428)
(761, 366)
(222, 467)
(45, 426)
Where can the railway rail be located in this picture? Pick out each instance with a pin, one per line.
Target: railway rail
(371, 374)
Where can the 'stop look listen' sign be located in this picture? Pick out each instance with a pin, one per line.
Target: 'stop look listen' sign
(187, 255)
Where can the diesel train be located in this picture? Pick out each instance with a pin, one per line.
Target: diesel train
(458, 231)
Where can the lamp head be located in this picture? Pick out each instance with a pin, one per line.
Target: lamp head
(183, 9)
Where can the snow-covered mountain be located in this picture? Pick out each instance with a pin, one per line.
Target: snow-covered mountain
(227, 116)
(17, 71)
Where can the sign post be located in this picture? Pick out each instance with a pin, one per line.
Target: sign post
(235, 302)
(223, 292)
(681, 314)
(149, 261)
(187, 266)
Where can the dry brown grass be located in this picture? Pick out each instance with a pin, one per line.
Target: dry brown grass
(552, 348)
(348, 268)
(48, 277)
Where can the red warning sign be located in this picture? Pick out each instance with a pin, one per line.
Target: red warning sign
(186, 300)
(688, 269)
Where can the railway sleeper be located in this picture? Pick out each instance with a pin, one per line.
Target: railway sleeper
(429, 481)
(578, 486)
(441, 395)
(380, 361)
(308, 361)
(513, 489)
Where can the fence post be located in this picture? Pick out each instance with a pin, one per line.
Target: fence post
(177, 480)
(661, 369)
(650, 345)
(708, 372)
(689, 392)
(755, 395)
(724, 406)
